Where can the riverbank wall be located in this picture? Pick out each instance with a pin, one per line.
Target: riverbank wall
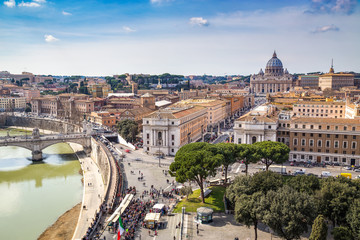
(54, 125)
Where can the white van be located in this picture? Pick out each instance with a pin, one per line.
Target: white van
(325, 174)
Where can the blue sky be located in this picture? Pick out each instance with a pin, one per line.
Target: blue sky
(177, 36)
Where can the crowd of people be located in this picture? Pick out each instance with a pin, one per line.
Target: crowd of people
(133, 216)
(108, 203)
(93, 226)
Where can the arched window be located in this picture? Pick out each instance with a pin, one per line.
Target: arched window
(253, 139)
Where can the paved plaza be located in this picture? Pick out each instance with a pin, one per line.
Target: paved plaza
(223, 225)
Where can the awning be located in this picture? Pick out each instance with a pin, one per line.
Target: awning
(159, 206)
(152, 217)
(123, 205)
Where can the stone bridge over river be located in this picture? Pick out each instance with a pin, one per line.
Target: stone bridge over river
(36, 142)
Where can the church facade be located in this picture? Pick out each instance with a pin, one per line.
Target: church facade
(275, 79)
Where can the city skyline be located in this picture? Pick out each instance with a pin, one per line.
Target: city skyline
(177, 36)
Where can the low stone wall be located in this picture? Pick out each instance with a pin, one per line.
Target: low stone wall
(99, 156)
(47, 124)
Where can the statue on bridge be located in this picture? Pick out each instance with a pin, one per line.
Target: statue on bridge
(36, 133)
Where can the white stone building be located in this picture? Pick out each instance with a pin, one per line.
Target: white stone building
(166, 130)
(256, 126)
(275, 79)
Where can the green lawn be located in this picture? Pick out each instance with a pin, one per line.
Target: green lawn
(214, 201)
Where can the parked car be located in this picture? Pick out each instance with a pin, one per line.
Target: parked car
(347, 168)
(299, 172)
(326, 174)
(357, 170)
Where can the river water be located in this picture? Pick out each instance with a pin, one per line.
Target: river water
(33, 196)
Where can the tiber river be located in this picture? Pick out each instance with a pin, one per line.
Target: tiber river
(33, 196)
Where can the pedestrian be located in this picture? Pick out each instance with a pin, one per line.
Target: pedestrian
(197, 226)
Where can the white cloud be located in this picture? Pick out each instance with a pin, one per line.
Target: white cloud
(66, 13)
(240, 34)
(10, 3)
(128, 29)
(333, 6)
(29, 4)
(39, 1)
(326, 28)
(50, 38)
(199, 21)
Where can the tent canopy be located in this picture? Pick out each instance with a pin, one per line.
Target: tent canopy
(152, 217)
(159, 206)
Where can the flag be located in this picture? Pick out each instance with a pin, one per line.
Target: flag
(121, 229)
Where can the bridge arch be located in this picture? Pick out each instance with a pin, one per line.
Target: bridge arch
(83, 142)
(17, 145)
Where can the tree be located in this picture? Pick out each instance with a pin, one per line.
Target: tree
(248, 210)
(262, 182)
(341, 233)
(186, 190)
(28, 108)
(272, 152)
(319, 229)
(288, 212)
(195, 162)
(265, 182)
(128, 129)
(353, 218)
(240, 186)
(303, 183)
(248, 154)
(335, 198)
(229, 153)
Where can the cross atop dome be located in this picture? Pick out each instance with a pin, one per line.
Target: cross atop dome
(274, 54)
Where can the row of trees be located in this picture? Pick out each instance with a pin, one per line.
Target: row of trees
(197, 161)
(290, 207)
(128, 129)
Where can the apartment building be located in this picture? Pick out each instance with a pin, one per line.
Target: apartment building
(63, 106)
(335, 81)
(333, 140)
(12, 104)
(329, 109)
(103, 118)
(314, 139)
(217, 110)
(166, 130)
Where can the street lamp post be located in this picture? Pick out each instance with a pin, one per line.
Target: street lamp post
(159, 150)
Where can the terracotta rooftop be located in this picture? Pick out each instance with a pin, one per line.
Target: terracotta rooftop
(260, 118)
(175, 113)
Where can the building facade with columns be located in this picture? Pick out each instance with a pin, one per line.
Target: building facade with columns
(275, 78)
(166, 130)
(256, 126)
